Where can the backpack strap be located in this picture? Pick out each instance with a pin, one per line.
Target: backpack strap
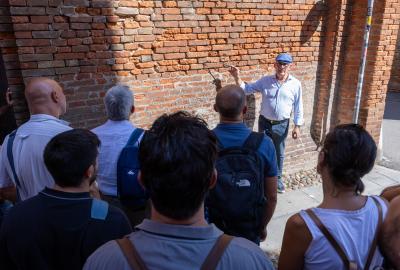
(10, 156)
(372, 248)
(131, 254)
(135, 136)
(254, 140)
(99, 209)
(216, 252)
(348, 264)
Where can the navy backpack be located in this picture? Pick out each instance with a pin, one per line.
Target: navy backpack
(130, 192)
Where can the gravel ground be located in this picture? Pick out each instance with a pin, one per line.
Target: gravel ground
(302, 179)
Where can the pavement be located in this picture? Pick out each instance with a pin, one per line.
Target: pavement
(391, 132)
(292, 202)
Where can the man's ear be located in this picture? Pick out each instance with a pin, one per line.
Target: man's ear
(54, 96)
(213, 180)
(132, 109)
(215, 107)
(139, 178)
(244, 109)
(90, 171)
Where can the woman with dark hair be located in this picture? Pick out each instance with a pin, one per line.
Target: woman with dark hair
(341, 232)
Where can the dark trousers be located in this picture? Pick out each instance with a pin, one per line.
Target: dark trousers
(278, 133)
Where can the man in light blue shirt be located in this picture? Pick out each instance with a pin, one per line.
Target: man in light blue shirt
(46, 103)
(114, 135)
(281, 94)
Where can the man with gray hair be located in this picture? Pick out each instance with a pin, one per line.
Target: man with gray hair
(115, 135)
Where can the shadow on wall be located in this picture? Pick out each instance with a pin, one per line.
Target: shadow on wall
(327, 13)
(91, 66)
(316, 17)
(394, 82)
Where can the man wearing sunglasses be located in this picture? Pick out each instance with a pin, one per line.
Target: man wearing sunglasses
(281, 94)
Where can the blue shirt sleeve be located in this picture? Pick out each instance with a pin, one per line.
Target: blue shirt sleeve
(250, 88)
(267, 151)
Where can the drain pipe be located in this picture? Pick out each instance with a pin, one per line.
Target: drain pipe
(363, 61)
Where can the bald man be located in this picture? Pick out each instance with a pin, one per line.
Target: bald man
(231, 132)
(46, 102)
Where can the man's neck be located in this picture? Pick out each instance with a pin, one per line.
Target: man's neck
(196, 220)
(282, 78)
(224, 120)
(84, 187)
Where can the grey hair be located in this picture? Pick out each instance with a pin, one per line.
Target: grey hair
(118, 102)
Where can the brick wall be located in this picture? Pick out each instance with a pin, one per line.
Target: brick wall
(8, 50)
(164, 49)
(394, 83)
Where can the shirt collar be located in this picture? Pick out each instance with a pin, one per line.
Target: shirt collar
(122, 122)
(289, 78)
(49, 192)
(231, 125)
(47, 117)
(180, 231)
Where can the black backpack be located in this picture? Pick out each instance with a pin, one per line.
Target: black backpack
(236, 204)
(130, 192)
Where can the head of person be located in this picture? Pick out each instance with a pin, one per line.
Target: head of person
(45, 96)
(283, 63)
(119, 103)
(230, 103)
(71, 158)
(177, 157)
(347, 155)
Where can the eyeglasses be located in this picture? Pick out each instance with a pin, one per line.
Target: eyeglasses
(283, 64)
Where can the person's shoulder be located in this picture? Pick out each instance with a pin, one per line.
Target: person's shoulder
(245, 252)
(24, 211)
(266, 145)
(117, 216)
(295, 80)
(107, 256)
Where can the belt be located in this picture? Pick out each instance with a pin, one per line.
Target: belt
(275, 122)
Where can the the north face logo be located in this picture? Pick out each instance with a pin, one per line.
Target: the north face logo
(243, 183)
(131, 172)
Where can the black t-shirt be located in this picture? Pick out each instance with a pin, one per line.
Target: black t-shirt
(55, 230)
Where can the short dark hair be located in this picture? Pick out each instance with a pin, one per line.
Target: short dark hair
(230, 101)
(177, 158)
(69, 154)
(350, 153)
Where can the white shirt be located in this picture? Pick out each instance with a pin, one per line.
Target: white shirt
(353, 230)
(278, 100)
(29, 143)
(113, 136)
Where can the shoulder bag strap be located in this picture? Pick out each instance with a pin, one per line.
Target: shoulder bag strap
(131, 254)
(331, 239)
(375, 241)
(135, 136)
(10, 156)
(216, 252)
(254, 140)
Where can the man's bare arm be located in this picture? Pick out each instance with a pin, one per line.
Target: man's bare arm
(270, 191)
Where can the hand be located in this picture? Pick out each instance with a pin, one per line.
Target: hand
(263, 234)
(94, 191)
(9, 100)
(234, 71)
(296, 132)
(218, 84)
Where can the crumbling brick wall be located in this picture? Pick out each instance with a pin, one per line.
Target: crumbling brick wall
(164, 50)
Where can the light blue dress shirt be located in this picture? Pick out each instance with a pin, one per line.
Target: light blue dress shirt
(29, 144)
(278, 100)
(113, 136)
